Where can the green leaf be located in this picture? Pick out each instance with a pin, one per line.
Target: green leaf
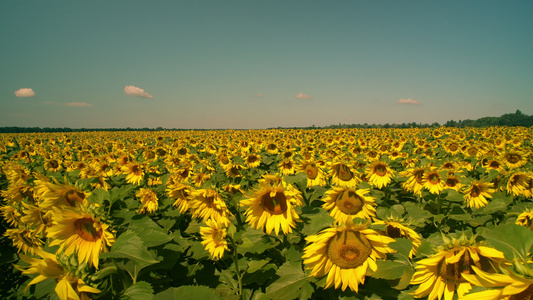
(291, 283)
(151, 233)
(98, 196)
(254, 241)
(256, 265)
(496, 204)
(141, 290)
(130, 246)
(403, 246)
(454, 196)
(315, 219)
(188, 292)
(513, 240)
(389, 269)
(197, 250)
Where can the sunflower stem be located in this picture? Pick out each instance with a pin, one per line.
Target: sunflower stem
(236, 261)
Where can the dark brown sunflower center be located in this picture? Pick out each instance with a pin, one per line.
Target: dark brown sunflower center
(161, 152)
(394, 232)
(349, 202)
(380, 170)
(252, 159)
(454, 271)
(513, 158)
(87, 229)
(73, 196)
(372, 153)
(311, 171)
(276, 205)
(447, 165)
(348, 249)
(452, 182)
(287, 165)
(476, 191)
(54, 164)
(454, 147)
(135, 169)
(182, 151)
(494, 164)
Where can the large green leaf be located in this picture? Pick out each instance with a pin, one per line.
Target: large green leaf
(151, 233)
(315, 219)
(292, 283)
(141, 290)
(389, 269)
(130, 246)
(513, 240)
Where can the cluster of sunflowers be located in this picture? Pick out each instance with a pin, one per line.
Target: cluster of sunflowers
(272, 213)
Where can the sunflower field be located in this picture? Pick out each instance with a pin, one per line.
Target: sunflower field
(434, 213)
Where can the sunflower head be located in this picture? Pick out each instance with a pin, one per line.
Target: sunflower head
(345, 254)
(271, 207)
(344, 204)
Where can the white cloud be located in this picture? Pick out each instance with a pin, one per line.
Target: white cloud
(408, 101)
(303, 96)
(24, 92)
(135, 91)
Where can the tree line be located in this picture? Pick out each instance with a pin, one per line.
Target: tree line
(511, 119)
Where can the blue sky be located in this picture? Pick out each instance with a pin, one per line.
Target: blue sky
(260, 64)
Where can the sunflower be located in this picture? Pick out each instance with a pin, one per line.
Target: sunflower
(11, 215)
(148, 199)
(442, 274)
(509, 285)
(214, 239)
(81, 233)
(134, 173)
(346, 203)
(253, 160)
(233, 189)
(208, 204)
(316, 176)
(53, 165)
(528, 192)
(452, 182)
(56, 194)
(476, 195)
(234, 170)
(525, 219)
(517, 183)
(379, 174)
(433, 182)
(286, 167)
(26, 240)
(398, 229)
(271, 207)
(514, 158)
(68, 287)
(343, 175)
(345, 254)
(493, 164)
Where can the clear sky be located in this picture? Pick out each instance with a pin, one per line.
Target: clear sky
(259, 64)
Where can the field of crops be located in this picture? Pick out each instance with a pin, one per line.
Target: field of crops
(269, 214)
